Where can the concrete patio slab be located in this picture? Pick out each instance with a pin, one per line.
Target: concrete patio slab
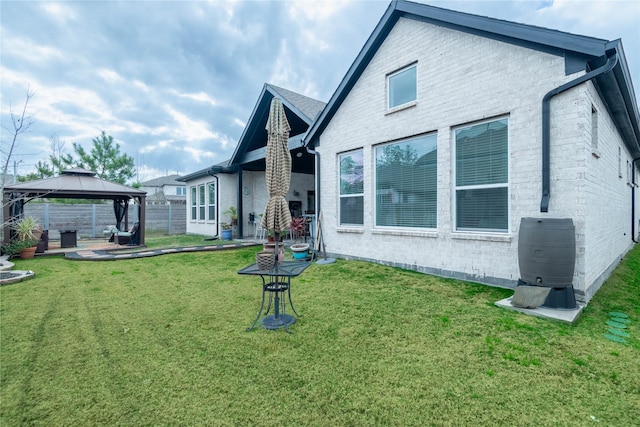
(567, 316)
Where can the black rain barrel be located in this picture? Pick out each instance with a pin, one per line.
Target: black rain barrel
(547, 251)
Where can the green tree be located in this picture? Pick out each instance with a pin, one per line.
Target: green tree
(396, 155)
(104, 158)
(351, 175)
(43, 170)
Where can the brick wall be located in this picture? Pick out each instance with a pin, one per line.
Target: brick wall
(462, 79)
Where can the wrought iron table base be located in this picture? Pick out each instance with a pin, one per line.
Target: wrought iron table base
(278, 319)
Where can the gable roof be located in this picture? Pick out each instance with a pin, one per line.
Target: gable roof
(581, 53)
(300, 110)
(163, 180)
(300, 104)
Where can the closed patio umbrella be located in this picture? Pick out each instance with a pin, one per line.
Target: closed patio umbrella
(277, 217)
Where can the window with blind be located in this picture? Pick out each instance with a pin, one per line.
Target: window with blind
(482, 184)
(351, 188)
(194, 204)
(402, 86)
(201, 202)
(212, 201)
(406, 176)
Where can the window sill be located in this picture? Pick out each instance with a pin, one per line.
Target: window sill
(428, 234)
(401, 107)
(484, 237)
(350, 230)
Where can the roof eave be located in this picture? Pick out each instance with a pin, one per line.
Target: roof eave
(294, 108)
(388, 20)
(616, 90)
(264, 100)
(534, 37)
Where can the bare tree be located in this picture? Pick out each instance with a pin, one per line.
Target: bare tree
(57, 146)
(21, 122)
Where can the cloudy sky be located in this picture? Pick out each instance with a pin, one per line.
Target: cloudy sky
(175, 82)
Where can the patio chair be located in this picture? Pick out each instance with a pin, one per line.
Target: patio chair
(131, 237)
(260, 232)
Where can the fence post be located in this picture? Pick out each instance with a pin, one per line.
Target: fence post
(46, 216)
(170, 220)
(93, 220)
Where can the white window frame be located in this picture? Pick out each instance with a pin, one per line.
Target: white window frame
(375, 184)
(341, 196)
(194, 203)
(457, 188)
(390, 77)
(211, 204)
(202, 203)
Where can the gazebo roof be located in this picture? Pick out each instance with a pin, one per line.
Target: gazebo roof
(74, 183)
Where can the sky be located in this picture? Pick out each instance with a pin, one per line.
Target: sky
(175, 82)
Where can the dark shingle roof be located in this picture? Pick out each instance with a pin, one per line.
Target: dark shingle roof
(308, 106)
(74, 183)
(301, 111)
(163, 180)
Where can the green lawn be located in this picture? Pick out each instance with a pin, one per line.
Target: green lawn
(162, 341)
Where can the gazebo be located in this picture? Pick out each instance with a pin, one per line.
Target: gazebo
(74, 183)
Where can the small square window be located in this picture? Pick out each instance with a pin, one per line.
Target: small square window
(402, 86)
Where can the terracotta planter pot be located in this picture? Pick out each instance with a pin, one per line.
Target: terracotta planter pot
(28, 253)
(271, 247)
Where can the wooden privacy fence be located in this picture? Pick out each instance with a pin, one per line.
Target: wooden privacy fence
(89, 220)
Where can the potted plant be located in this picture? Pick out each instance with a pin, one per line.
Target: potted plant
(300, 250)
(233, 215)
(20, 248)
(226, 231)
(28, 234)
(271, 238)
(271, 248)
(298, 226)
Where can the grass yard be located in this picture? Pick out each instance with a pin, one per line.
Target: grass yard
(162, 341)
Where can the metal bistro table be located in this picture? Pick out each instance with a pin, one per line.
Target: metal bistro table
(276, 282)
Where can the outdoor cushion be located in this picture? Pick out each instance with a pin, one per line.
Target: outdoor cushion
(111, 229)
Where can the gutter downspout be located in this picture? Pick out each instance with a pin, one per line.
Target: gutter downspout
(217, 202)
(240, 209)
(317, 183)
(546, 124)
(633, 200)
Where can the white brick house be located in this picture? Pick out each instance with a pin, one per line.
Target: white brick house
(431, 149)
